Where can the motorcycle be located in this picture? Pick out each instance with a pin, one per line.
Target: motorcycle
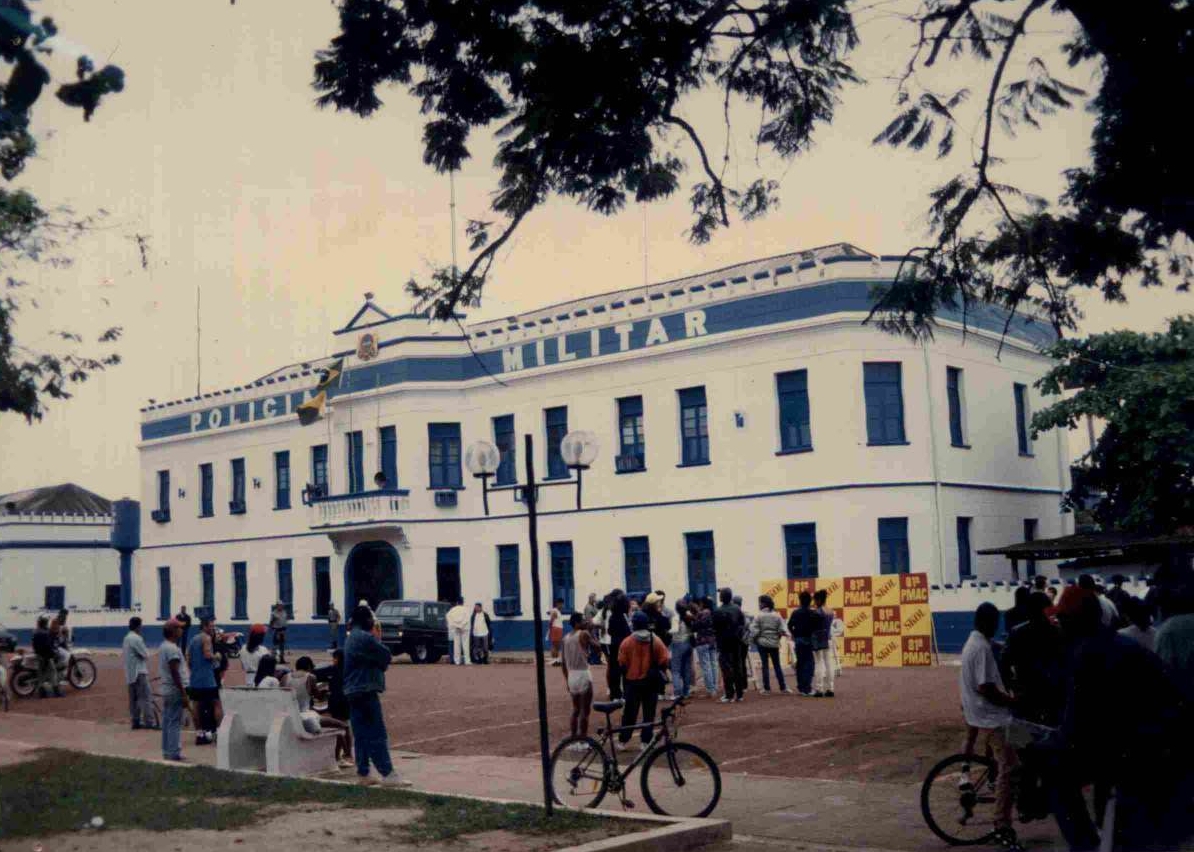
(226, 648)
(75, 667)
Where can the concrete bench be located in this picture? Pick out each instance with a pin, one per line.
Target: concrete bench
(262, 730)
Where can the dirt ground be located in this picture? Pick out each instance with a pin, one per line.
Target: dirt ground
(883, 724)
(297, 830)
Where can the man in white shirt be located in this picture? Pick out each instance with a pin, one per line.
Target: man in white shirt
(987, 708)
(136, 674)
(458, 625)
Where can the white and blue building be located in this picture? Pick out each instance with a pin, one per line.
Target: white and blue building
(751, 427)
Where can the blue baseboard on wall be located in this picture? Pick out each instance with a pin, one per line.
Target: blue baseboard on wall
(509, 634)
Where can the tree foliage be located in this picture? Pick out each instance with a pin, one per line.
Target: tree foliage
(588, 101)
(1142, 387)
(29, 377)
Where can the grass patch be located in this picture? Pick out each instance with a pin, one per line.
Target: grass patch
(60, 791)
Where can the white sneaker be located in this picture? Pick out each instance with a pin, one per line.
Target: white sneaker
(725, 699)
(393, 780)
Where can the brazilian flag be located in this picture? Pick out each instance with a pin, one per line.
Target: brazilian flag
(312, 409)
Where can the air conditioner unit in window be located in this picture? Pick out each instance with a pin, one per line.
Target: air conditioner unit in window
(445, 499)
(629, 463)
(506, 606)
(236, 507)
(162, 516)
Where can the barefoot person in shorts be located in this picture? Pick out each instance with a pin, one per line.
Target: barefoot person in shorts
(577, 646)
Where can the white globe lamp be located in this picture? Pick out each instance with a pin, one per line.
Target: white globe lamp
(579, 449)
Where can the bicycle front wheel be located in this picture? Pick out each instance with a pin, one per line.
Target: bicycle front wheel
(681, 780)
(579, 773)
(957, 799)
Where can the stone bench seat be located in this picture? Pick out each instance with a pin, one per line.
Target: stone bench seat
(262, 730)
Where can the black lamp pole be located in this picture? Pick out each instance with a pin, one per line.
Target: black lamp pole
(531, 494)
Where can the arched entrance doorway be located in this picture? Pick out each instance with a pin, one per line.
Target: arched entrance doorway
(373, 572)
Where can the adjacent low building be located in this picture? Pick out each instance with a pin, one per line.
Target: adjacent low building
(750, 426)
(64, 547)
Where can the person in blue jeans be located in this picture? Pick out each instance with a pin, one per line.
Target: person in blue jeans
(173, 672)
(802, 624)
(365, 664)
(682, 651)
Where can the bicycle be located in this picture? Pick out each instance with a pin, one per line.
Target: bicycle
(155, 708)
(677, 779)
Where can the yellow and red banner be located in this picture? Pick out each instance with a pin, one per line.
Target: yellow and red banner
(887, 618)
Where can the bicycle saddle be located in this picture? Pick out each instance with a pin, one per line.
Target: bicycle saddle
(608, 706)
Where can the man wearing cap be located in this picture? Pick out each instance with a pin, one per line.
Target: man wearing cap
(643, 657)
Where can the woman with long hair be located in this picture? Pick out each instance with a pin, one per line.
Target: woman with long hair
(618, 627)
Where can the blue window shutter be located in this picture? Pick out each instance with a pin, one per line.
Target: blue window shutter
(319, 465)
(205, 491)
(240, 591)
(164, 490)
(282, 479)
(207, 580)
(503, 439)
(694, 426)
(444, 454)
(965, 569)
(356, 462)
(953, 391)
(884, 397)
(1021, 393)
(702, 564)
(794, 421)
(55, 597)
(286, 585)
(164, 592)
(800, 540)
(637, 556)
(632, 442)
(238, 480)
(323, 585)
(508, 581)
(555, 422)
(388, 438)
(1030, 535)
(562, 583)
(893, 546)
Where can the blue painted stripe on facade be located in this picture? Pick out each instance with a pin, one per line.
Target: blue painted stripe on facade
(760, 495)
(509, 634)
(56, 545)
(752, 312)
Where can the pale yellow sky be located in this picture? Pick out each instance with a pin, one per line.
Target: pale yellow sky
(285, 215)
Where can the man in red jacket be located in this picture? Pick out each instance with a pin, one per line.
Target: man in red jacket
(643, 657)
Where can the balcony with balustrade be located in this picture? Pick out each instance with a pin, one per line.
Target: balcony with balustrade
(364, 509)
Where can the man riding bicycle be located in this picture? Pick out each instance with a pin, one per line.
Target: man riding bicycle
(986, 704)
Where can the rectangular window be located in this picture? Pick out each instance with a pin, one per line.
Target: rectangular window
(282, 479)
(387, 437)
(884, 395)
(443, 455)
(355, 443)
(323, 585)
(237, 504)
(508, 582)
(555, 421)
(447, 574)
(164, 593)
(702, 566)
(206, 491)
(286, 585)
(1022, 426)
(207, 588)
(893, 546)
(240, 591)
(563, 585)
(319, 469)
(965, 566)
(694, 426)
(503, 439)
(632, 442)
(637, 553)
(953, 392)
(55, 598)
(800, 542)
(164, 492)
(1030, 535)
(112, 596)
(795, 433)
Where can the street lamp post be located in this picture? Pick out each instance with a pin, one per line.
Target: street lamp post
(578, 449)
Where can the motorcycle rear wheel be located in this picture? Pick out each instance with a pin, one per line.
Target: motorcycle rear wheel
(24, 683)
(81, 674)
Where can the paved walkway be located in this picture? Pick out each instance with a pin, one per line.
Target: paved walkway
(789, 813)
